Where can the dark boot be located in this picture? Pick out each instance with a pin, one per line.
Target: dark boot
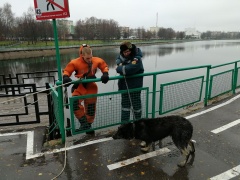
(84, 124)
(91, 132)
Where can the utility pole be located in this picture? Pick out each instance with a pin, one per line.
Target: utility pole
(156, 26)
(157, 20)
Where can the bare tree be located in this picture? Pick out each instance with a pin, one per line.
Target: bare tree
(1, 24)
(170, 33)
(45, 30)
(93, 28)
(30, 26)
(180, 35)
(7, 21)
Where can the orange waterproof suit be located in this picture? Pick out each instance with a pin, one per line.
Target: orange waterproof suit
(82, 69)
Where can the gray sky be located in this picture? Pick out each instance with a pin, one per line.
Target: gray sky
(213, 15)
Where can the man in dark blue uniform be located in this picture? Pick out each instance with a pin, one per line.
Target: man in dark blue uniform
(129, 63)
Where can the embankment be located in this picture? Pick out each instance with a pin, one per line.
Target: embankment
(22, 54)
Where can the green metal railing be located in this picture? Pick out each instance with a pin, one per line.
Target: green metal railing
(180, 94)
(170, 96)
(58, 111)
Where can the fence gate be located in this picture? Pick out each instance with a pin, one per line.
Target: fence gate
(21, 101)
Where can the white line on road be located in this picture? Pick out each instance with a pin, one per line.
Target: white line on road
(213, 108)
(227, 126)
(228, 174)
(30, 136)
(69, 148)
(14, 134)
(30, 141)
(138, 158)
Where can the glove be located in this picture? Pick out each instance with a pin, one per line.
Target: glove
(105, 77)
(67, 79)
(75, 86)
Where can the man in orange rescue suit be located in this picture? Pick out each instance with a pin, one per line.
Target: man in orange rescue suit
(85, 66)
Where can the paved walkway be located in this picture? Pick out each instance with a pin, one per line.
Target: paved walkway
(216, 132)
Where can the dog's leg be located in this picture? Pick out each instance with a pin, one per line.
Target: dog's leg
(143, 144)
(147, 147)
(153, 146)
(186, 153)
(160, 144)
(191, 144)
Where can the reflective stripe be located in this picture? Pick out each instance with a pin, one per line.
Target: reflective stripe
(139, 110)
(128, 109)
(123, 70)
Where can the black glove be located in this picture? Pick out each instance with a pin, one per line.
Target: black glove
(105, 77)
(67, 79)
(75, 86)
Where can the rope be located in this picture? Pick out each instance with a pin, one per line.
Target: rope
(18, 109)
(33, 93)
(65, 151)
(65, 161)
(130, 99)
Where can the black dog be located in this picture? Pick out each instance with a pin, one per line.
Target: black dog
(151, 130)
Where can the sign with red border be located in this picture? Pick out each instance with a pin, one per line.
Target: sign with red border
(51, 9)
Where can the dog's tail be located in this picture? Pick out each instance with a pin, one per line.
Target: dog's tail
(194, 141)
(191, 144)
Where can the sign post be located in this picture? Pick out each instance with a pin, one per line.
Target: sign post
(53, 9)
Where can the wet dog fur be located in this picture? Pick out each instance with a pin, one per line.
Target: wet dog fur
(156, 129)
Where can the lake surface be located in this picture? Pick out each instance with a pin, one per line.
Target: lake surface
(155, 58)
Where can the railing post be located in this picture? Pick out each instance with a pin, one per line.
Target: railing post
(61, 110)
(59, 83)
(50, 111)
(154, 95)
(235, 75)
(207, 84)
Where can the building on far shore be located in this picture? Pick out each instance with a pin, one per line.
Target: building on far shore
(66, 27)
(192, 33)
(154, 30)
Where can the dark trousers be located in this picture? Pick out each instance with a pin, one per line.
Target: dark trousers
(136, 106)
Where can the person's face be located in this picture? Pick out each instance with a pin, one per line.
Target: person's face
(126, 53)
(87, 58)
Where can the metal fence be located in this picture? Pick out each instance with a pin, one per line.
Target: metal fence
(156, 99)
(168, 97)
(23, 97)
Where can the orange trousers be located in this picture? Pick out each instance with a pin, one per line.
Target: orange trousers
(85, 107)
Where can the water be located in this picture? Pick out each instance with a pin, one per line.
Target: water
(155, 58)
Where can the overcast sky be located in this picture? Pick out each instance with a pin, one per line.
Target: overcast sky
(213, 15)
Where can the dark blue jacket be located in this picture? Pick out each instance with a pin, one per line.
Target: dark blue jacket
(130, 66)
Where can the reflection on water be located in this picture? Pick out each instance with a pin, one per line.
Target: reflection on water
(155, 57)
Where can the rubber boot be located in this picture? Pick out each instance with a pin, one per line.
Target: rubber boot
(91, 132)
(84, 124)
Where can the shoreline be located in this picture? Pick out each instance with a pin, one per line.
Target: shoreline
(33, 53)
(30, 53)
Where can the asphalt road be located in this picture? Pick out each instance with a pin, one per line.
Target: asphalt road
(216, 132)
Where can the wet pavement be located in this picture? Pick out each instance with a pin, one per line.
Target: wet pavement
(86, 157)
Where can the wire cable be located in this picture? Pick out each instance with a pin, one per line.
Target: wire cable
(130, 99)
(65, 154)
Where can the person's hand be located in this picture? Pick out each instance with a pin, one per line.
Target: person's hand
(67, 79)
(105, 77)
